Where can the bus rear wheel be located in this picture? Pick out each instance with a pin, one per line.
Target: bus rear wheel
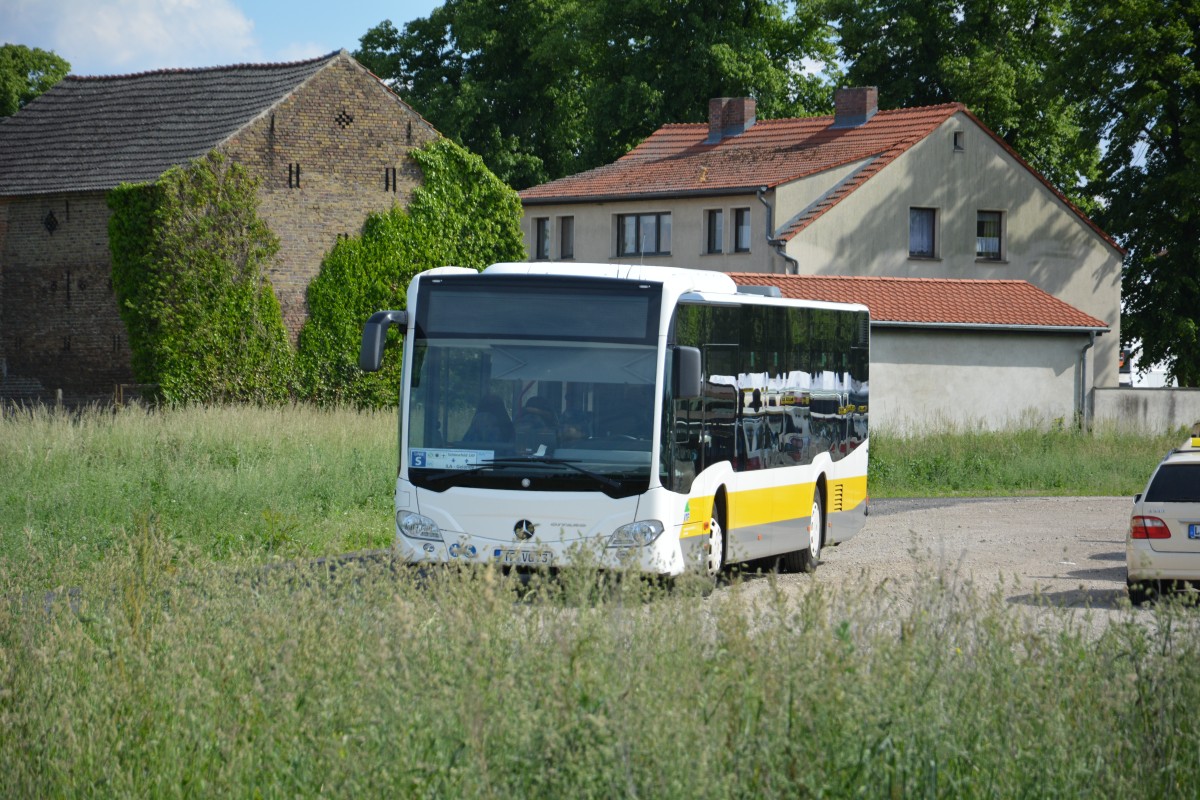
(806, 558)
(810, 556)
(715, 559)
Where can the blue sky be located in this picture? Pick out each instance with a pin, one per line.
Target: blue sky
(109, 37)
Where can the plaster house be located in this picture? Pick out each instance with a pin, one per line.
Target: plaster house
(327, 140)
(924, 192)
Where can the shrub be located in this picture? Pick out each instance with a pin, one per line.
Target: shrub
(190, 255)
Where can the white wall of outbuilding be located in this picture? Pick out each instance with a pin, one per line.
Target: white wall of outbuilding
(960, 379)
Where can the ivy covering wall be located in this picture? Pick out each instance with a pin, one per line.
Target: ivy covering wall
(190, 256)
(460, 215)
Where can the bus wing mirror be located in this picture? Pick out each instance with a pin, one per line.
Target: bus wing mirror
(370, 357)
(685, 373)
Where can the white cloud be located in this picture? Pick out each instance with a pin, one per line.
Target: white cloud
(114, 36)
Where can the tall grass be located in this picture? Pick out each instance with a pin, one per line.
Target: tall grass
(253, 483)
(1028, 461)
(464, 684)
(218, 482)
(196, 654)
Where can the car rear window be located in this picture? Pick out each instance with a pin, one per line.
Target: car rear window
(1175, 483)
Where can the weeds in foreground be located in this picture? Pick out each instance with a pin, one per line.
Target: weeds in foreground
(165, 678)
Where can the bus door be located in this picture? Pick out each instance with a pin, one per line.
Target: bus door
(721, 401)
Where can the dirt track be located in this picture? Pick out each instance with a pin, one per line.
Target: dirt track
(1068, 551)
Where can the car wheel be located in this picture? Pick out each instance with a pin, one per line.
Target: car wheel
(1142, 592)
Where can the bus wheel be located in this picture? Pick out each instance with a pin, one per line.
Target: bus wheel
(716, 544)
(811, 555)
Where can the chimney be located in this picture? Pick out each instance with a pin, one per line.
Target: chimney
(853, 107)
(729, 116)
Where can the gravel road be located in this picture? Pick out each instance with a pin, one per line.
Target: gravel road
(1065, 551)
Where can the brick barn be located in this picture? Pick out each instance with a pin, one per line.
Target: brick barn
(327, 140)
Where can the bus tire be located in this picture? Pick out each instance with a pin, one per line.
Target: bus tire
(715, 558)
(810, 556)
(805, 559)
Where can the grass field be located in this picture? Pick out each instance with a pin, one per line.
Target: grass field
(160, 636)
(237, 483)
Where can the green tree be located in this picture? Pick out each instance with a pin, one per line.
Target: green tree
(660, 61)
(1137, 69)
(190, 255)
(998, 59)
(26, 73)
(460, 215)
(505, 80)
(545, 88)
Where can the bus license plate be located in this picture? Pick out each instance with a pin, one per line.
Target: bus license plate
(518, 557)
(1194, 531)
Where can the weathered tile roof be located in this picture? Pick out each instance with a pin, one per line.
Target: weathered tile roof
(93, 133)
(935, 301)
(676, 160)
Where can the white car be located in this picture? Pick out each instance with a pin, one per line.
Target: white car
(1162, 549)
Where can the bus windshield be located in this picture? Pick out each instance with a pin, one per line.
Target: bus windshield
(570, 416)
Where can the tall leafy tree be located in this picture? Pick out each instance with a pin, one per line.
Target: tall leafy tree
(998, 59)
(505, 80)
(659, 61)
(1137, 69)
(545, 88)
(25, 73)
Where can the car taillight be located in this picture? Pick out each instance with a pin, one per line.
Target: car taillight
(1148, 528)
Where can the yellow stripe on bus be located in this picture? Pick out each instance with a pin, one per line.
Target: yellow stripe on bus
(751, 507)
(774, 504)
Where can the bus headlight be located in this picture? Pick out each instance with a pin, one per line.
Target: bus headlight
(636, 534)
(416, 526)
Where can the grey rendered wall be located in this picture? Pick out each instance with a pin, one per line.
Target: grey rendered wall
(1147, 410)
(955, 379)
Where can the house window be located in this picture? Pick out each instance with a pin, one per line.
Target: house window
(644, 234)
(959, 141)
(922, 233)
(716, 232)
(541, 238)
(989, 229)
(741, 228)
(566, 237)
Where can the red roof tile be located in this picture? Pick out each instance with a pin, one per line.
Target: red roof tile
(934, 301)
(677, 159)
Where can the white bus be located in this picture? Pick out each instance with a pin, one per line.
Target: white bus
(665, 419)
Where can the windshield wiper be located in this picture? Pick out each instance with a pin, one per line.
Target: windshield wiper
(574, 465)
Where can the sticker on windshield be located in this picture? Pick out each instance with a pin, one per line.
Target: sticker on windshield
(432, 458)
